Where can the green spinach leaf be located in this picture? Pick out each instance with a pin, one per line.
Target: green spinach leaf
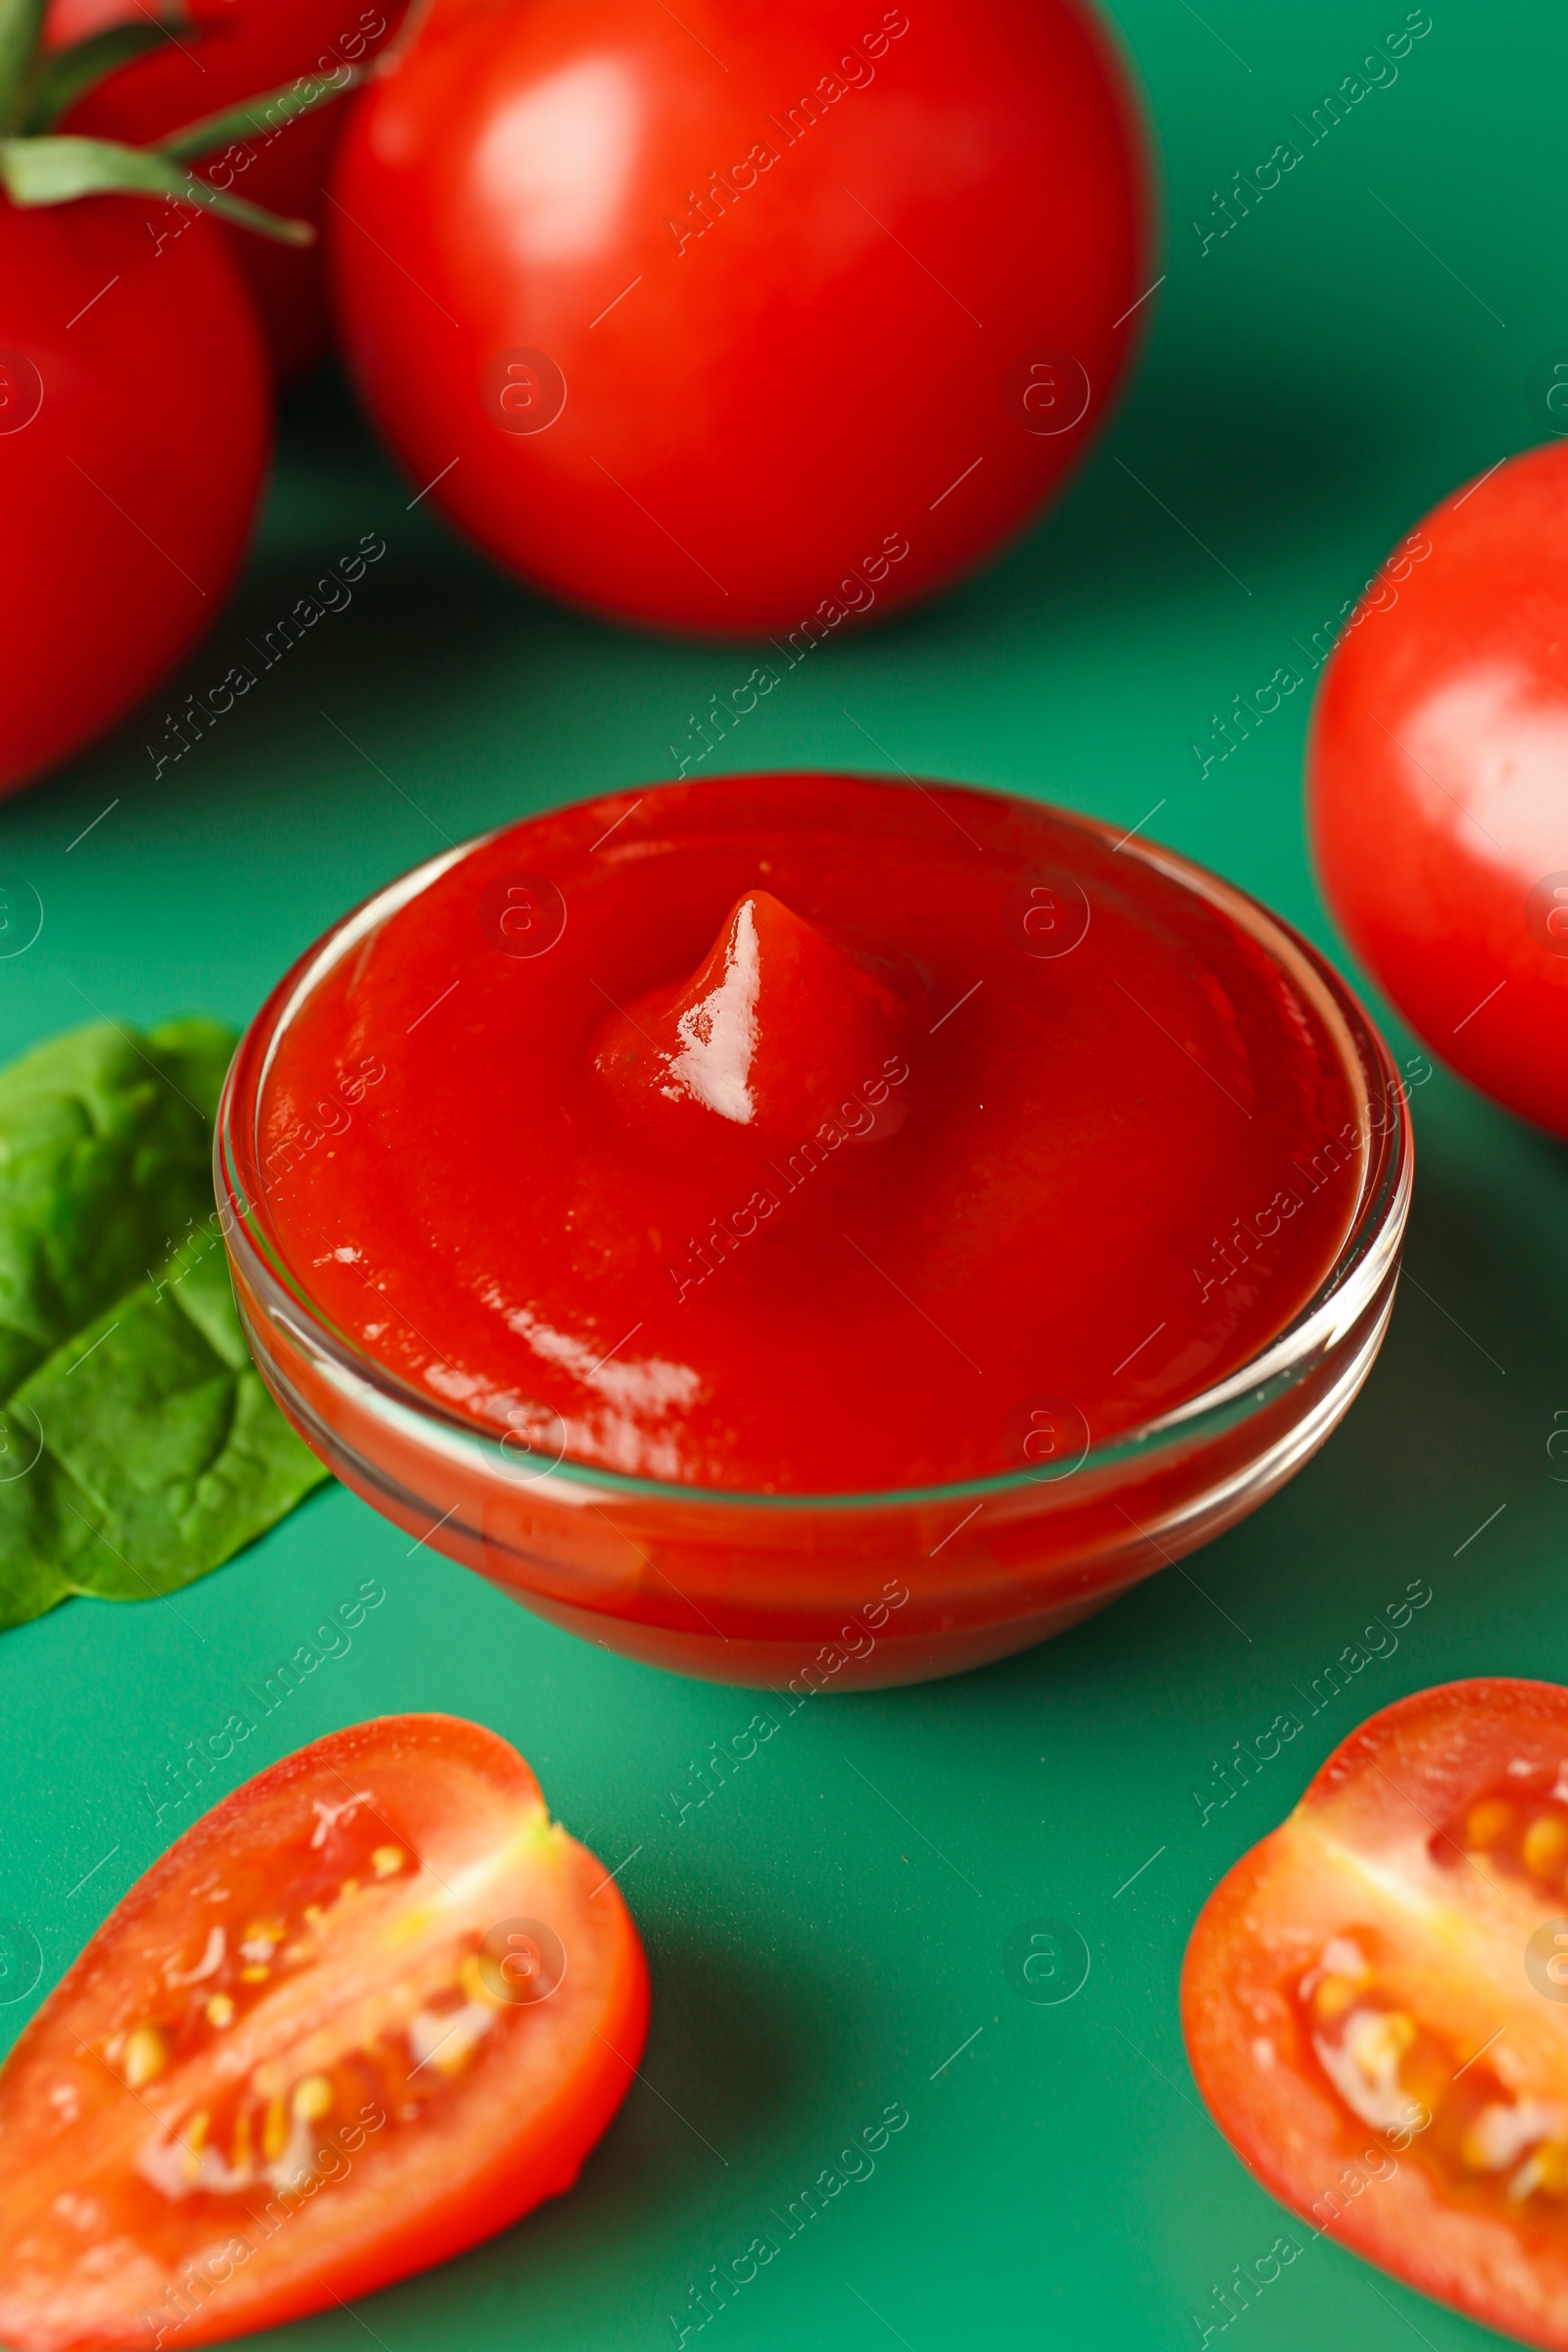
(138, 1449)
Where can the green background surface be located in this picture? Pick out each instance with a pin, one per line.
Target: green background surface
(825, 1931)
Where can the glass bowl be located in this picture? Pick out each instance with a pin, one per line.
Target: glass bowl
(809, 1592)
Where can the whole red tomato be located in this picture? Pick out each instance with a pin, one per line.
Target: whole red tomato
(737, 318)
(233, 49)
(134, 437)
(1437, 783)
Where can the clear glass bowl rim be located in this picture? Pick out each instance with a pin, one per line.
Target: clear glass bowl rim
(1369, 1246)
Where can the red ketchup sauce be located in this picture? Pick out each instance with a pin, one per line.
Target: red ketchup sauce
(808, 1135)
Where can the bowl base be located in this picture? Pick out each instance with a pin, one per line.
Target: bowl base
(796, 1669)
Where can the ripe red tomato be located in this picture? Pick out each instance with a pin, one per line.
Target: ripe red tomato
(1376, 2005)
(367, 2011)
(236, 49)
(735, 319)
(1436, 782)
(134, 437)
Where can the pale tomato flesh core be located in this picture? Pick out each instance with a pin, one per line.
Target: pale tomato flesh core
(303, 2037)
(1372, 2010)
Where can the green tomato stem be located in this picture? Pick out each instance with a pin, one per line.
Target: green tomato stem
(37, 171)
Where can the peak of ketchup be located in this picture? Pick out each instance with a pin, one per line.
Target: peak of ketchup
(827, 1136)
(777, 1028)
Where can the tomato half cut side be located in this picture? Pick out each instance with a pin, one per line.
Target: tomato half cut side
(368, 2010)
(1375, 2002)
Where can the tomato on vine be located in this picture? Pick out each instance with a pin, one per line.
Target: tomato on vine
(221, 51)
(134, 419)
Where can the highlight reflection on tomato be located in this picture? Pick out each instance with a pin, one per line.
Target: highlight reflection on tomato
(370, 2009)
(1436, 795)
(696, 316)
(1376, 2001)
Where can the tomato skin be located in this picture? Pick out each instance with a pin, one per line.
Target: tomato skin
(244, 47)
(1434, 792)
(767, 418)
(127, 498)
(1377, 1804)
(459, 1787)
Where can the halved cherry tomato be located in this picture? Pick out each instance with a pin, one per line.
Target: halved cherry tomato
(369, 2009)
(1376, 2001)
(1438, 819)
